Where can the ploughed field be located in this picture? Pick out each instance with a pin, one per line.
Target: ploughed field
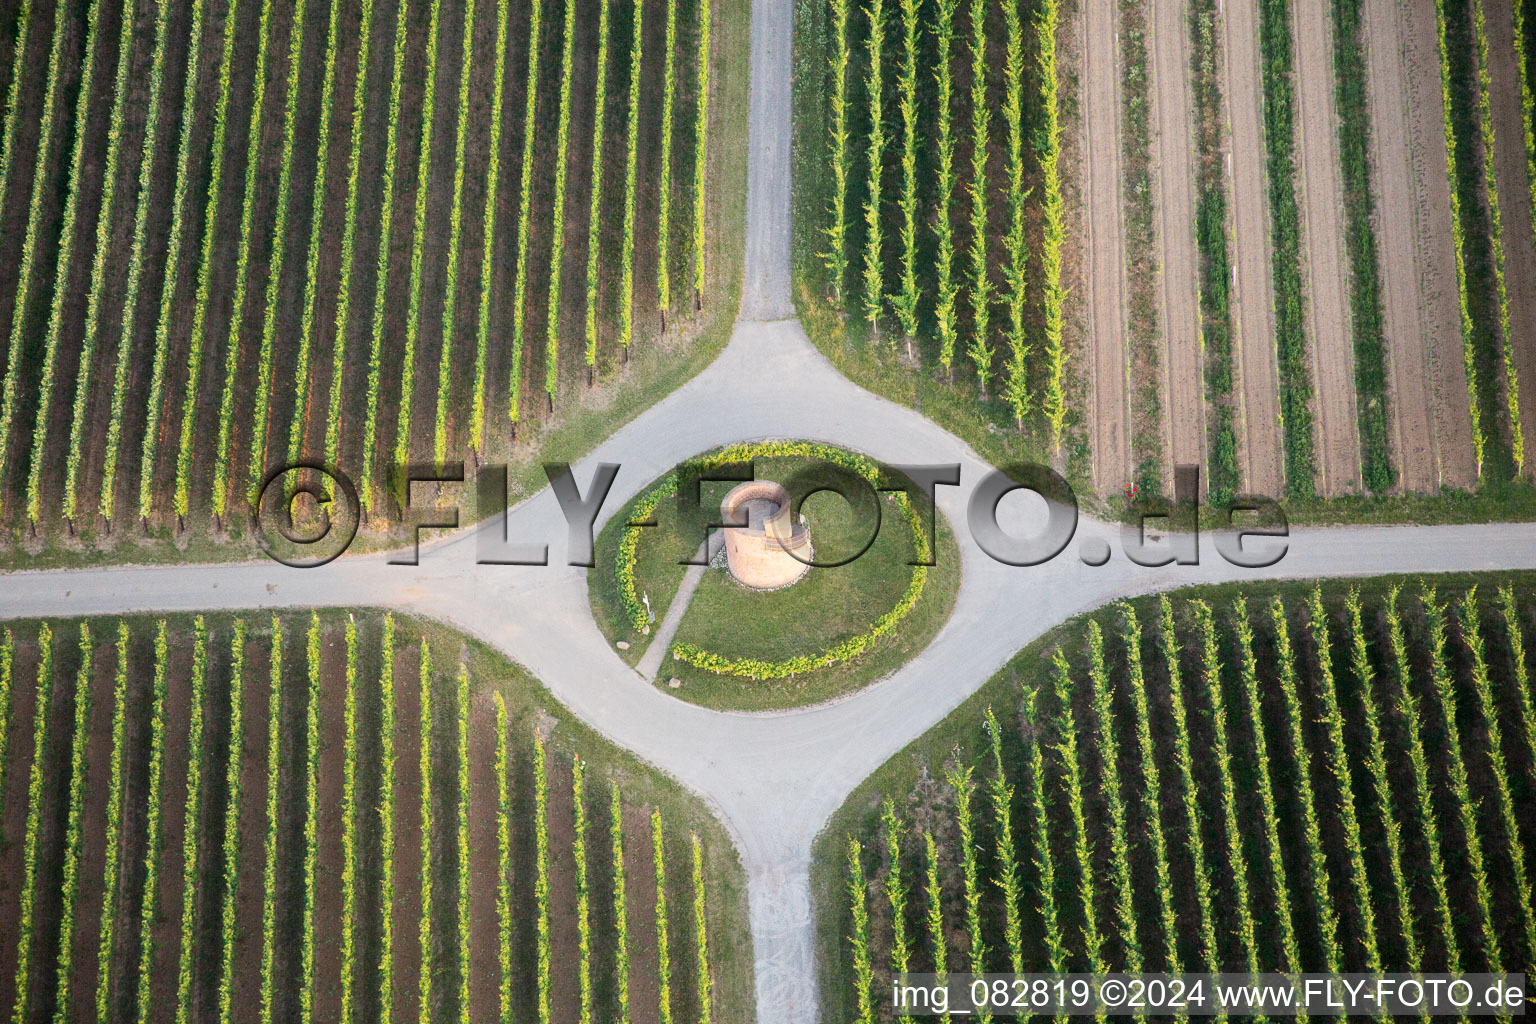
(245, 232)
(1288, 243)
(1231, 780)
(342, 817)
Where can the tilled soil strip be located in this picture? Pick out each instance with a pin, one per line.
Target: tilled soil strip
(1105, 243)
(1327, 309)
(1514, 185)
(1253, 310)
(1416, 446)
(1185, 433)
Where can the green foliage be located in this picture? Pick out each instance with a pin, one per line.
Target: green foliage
(1373, 414)
(663, 957)
(1151, 790)
(944, 156)
(1527, 102)
(463, 844)
(863, 974)
(455, 226)
(232, 353)
(1317, 865)
(1054, 216)
(10, 382)
(1071, 765)
(874, 274)
(895, 893)
(1337, 759)
(317, 222)
(279, 252)
(1511, 617)
(1045, 864)
(1016, 266)
(427, 945)
(1189, 792)
(1376, 763)
(18, 64)
(419, 244)
(192, 826)
(269, 852)
(1424, 805)
(583, 897)
(488, 229)
(595, 216)
(906, 300)
(664, 179)
(700, 177)
(504, 863)
(311, 824)
(349, 833)
(1496, 233)
(980, 347)
(1279, 888)
(557, 230)
(149, 902)
(110, 893)
(541, 881)
(631, 170)
(1001, 795)
(349, 229)
(525, 206)
(387, 769)
(1278, 58)
(620, 898)
(228, 928)
(836, 256)
(1108, 745)
(381, 272)
(64, 259)
(935, 915)
(147, 159)
(1469, 353)
(195, 343)
(701, 933)
(1460, 785)
(70, 894)
(7, 668)
(959, 779)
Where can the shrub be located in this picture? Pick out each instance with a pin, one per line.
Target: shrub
(1045, 864)
(541, 880)
(1015, 272)
(149, 901)
(620, 898)
(110, 894)
(525, 207)
(557, 230)
(1108, 744)
(349, 230)
(503, 862)
(944, 154)
(935, 914)
(1071, 765)
(231, 865)
(70, 894)
(1001, 794)
(980, 347)
(7, 667)
(700, 930)
(455, 223)
(895, 892)
(349, 833)
(387, 769)
(863, 975)
(147, 160)
(311, 826)
(905, 302)
(663, 958)
(595, 216)
(1054, 215)
(463, 831)
(424, 930)
(33, 840)
(269, 852)
(583, 897)
(700, 167)
(959, 779)
(664, 178)
(18, 63)
(232, 354)
(488, 228)
(1511, 615)
(64, 259)
(874, 298)
(191, 871)
(631, 169)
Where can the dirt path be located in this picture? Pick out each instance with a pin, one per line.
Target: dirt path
(1437, 258)
(1105, 246)
(1416, 445)
(1327, 264)
(1515, 208)
(1252, 312)
(1184, 435)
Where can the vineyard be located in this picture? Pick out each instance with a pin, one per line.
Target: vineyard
(971, 179)
(1296, 778)
(257, 231)
(341, 822)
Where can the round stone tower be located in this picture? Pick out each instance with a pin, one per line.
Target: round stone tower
(762, 550)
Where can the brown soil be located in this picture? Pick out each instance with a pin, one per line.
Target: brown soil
(1407, 322)
(1105, 249)
(484, 864)
(1514, 189)
(246, 982)
(328, 862)
(166, 933)
(640, 893)
(407, 857)
(564, 940)
(1253, 295)
(1184, 433)
(1327, 308)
